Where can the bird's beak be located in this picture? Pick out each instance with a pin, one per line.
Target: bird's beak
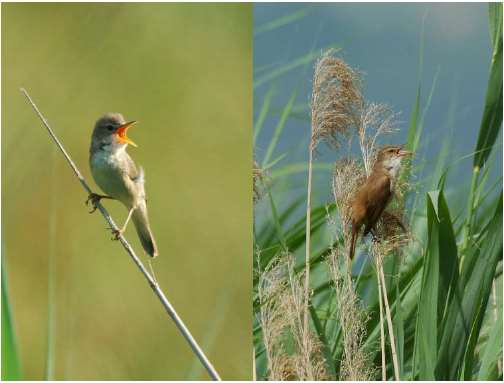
(120, 133)
(404, 153)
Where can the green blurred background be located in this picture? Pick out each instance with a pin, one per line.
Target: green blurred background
(185, 72)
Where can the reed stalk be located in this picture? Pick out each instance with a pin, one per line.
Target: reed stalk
(389, 323)
(382, 329)
(307, 245)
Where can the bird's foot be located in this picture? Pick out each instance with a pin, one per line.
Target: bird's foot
(375, 239)
(116, 233)
(94, 199)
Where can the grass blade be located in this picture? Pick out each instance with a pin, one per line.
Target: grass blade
(279, 128)
(263, 113)
(426, 327)
(281, 21)
(492, 353)
(11, 369)
(492, 113)
(471, 294)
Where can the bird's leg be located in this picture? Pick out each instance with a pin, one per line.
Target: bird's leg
(117, 233)
(94, 199)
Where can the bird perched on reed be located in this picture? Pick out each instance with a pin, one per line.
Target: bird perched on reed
(117, 175)
(374, 195)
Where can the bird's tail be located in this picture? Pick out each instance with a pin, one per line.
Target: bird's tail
(141, 223)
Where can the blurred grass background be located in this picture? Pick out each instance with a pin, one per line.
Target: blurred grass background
(184, 72)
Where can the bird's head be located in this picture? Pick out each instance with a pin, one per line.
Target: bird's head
(389, 158)
(110, 131)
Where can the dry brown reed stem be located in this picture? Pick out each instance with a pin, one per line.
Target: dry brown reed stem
(307, 242)
(152, 282)
(379, 251)
(394, 235)
(390, 229)
(335, 106)
(382, 328)
(254, 373)
(389, 323)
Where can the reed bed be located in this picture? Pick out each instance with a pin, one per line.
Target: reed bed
(421, 302)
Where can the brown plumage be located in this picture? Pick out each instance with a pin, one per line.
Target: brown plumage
(374, 195)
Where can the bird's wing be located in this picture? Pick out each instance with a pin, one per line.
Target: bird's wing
(379, 194)
(135, 177)
(130, 168)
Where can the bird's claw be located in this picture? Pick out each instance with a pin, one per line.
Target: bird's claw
(375, 239)
(94, 199)
(116, 233)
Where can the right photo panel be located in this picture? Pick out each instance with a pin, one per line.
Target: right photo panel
(377, 181)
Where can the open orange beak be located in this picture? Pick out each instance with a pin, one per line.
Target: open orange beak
(404, 153)
(120, 133)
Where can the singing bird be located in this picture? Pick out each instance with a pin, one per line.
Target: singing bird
(374, 195)
(117, 175)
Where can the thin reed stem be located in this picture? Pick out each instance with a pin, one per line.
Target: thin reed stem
(152, 283)
(254, 372)
(389, 323)
(308, 235)
(382, 329)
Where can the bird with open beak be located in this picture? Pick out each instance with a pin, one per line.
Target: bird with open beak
(374, 195)
(117, 175)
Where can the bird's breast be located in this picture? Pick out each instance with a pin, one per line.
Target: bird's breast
(107, 172)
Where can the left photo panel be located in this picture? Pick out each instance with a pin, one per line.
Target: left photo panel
(140, 114)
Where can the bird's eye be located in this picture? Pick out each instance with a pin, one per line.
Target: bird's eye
(110, 128)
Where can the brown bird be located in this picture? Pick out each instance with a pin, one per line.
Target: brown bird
(373, 197)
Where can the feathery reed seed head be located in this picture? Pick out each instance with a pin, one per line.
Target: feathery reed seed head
(336, 100)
